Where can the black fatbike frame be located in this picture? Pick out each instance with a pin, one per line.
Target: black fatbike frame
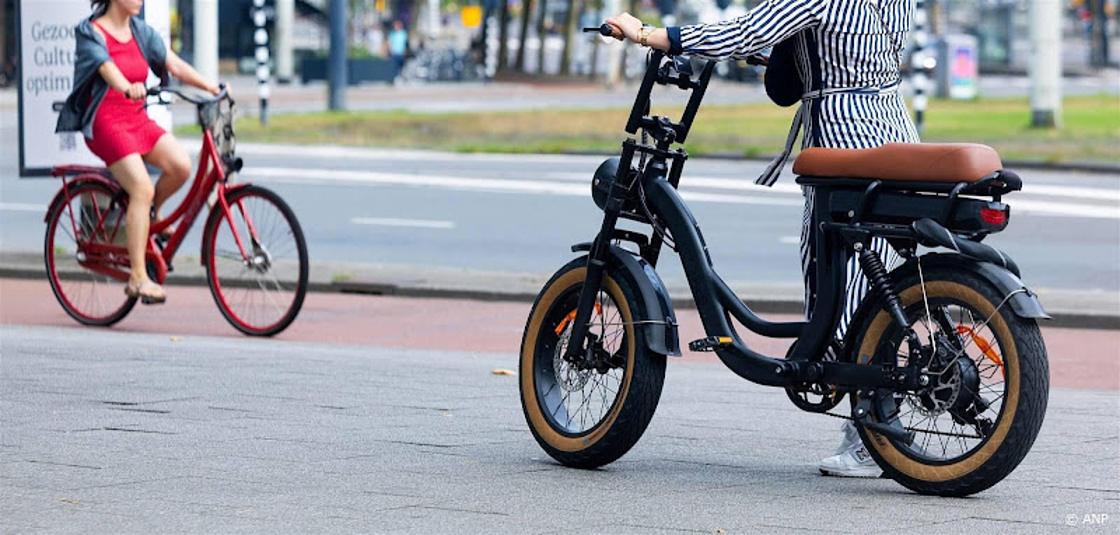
(649, 195)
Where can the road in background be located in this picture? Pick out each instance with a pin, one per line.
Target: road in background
(520, 213)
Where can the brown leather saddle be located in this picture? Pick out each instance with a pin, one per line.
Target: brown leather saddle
(909, 162)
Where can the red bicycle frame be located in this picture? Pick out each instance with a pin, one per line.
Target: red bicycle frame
(105, 257)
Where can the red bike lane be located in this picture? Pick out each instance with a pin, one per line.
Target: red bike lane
(1079, 358)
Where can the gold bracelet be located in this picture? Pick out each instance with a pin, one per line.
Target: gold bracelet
(643, 35)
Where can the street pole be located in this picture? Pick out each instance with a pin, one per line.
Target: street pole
(206, 38)
(1046, 64)
(1098, 34)
(922, 63)
(260, 37)
(285, 19)
(336, 75)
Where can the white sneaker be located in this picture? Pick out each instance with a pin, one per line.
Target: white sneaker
(856, 462)
(851, 459)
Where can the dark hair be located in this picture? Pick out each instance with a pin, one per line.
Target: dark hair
(99, 6)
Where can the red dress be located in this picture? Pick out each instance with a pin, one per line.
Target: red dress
(122, 126)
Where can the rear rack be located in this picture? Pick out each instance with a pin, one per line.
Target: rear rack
(994, 185)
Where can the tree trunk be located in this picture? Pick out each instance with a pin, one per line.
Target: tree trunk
(569, 32)
(632, 8)
(526, 13)
(541, 35)
(503, 36)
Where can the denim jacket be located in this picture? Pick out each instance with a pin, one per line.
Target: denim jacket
(89, 87)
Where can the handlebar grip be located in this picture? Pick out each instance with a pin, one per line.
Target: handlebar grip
(606, 30)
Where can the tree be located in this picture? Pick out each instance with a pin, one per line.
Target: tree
(526, 12)
(503, 36)
(569, 32)
(541, 35)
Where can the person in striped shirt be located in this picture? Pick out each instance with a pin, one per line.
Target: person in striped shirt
(848, 53)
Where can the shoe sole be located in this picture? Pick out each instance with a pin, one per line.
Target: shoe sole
(864, 475)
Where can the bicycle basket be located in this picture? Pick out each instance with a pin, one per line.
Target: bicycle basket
(218, 118)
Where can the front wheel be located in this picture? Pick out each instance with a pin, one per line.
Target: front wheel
(588, 413)
(980, 415)
(256, 261)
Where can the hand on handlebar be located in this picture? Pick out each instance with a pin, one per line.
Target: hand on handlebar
(625, 26)
(136, 91)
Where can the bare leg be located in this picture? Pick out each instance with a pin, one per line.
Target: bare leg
(133, 177)
(169, 156)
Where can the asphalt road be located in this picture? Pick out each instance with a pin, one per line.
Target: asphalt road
(520, 213)
(137, 433)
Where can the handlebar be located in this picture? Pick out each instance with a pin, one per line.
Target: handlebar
(606, 30)
(195, 99)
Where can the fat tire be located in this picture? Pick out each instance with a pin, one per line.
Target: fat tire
(643, 392)
(1033, 392)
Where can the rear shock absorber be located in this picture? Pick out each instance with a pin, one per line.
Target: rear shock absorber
(880, 281)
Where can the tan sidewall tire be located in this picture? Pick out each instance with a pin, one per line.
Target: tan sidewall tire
(941, 473)
(529, 400)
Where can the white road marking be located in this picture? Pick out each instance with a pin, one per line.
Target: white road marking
(22, 207)
(1078, 192)
(394, 222)
(571, 188)
(790, 240)
(540, 187)
(1062, 209)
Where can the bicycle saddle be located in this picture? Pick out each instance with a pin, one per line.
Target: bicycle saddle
(912, 162)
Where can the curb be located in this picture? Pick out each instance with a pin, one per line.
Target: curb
(1097, 168)
(1061, 318)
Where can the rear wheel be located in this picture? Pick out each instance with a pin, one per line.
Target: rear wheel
(980, 415)
(588, 413)
(86, 278)
(261, 291)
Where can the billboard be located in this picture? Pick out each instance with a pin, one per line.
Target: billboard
(46, 44)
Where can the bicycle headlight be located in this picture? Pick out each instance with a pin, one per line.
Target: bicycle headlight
(605, 176)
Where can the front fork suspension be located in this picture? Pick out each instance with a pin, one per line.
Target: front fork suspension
(596, 265)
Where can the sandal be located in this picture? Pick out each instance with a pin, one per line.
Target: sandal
(144, 291)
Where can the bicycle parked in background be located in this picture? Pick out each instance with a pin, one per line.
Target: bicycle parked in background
(253, 248)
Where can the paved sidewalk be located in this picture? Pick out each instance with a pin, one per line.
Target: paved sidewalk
(108, 432)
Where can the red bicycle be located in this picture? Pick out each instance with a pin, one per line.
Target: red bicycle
(253, 249)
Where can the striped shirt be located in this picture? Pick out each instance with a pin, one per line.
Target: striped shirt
(846, 45)
(851, 44)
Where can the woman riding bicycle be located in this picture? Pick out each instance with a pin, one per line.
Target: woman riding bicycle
(115, 51)
(848, 53)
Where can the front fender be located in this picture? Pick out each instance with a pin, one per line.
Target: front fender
(656, 308)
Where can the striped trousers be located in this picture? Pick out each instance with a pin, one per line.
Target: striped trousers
(856, 285)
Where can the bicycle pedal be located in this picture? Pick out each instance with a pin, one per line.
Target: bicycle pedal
(710, 343)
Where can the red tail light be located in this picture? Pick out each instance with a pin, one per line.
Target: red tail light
(993, 216)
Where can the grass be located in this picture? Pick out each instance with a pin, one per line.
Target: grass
(1091, 132)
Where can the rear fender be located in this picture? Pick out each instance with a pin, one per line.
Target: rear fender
(76, 181)
(1022, 300)
(655, 311)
